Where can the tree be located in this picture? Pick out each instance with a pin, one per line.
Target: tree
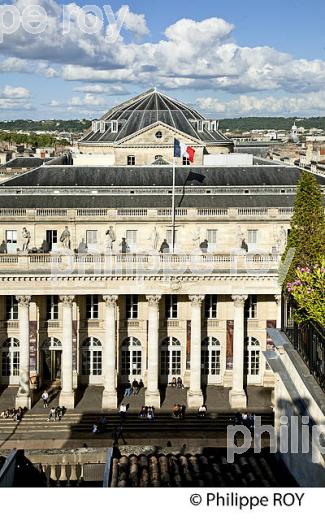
(307, 235)
(308, 291)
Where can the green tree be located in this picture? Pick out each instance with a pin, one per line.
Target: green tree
(307, 235)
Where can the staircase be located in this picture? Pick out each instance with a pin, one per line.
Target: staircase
(77, 425)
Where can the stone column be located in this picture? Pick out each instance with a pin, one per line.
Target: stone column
(109, 399)
(23, 397)
(278, 299)
(195, 396)
(237, 395)
(67, 392)
(152, 391)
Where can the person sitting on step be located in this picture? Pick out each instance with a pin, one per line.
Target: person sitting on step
(179, 383)
(202, 411)
(128, 390)
(173, 382)
(135, 387)
(150, 413)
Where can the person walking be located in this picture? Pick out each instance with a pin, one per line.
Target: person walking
(45, 399)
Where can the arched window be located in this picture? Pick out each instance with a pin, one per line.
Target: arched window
(91, 357)
(10, 357)
(52, 344)
(210, 358)
(131, 357)
(170, 357)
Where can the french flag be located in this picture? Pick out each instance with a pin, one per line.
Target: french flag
(183, 150)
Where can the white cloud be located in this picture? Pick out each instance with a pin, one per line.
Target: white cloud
(191, 54)
(252, 105)
(97, 88)
(9, 92)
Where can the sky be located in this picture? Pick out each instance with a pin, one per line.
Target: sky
(225, 58)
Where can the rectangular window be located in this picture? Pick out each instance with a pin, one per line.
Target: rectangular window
(169, 237)
(131, 160)
(97, 363)
(251, 238)
(186, 161)
(86, 363)
(15, 363)
(171, 307)
(114, 127)
(51, 240)
(91, 240)
(11, 240)
(11, 308)
(251, 307)
(212, 239)
(131, 239)
(52, 308)
(131, 307)
(211, 306)
(92, 307)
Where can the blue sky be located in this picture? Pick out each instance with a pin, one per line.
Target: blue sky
(226, 58)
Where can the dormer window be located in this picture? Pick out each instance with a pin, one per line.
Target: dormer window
(102, 126)
(95, 126)
(114, 126)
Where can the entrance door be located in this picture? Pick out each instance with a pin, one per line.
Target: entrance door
(131, 360)
(52, 355)
(52, 365)
(170, 359)
(252, 361)
(211, 361)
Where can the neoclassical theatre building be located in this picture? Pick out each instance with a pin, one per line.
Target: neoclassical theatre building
(91, 291)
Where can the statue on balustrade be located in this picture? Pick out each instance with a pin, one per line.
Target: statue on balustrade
(65, 238)
(196, 238)
(26, 236)
(110, 239)
(164, 248)
(154, 238)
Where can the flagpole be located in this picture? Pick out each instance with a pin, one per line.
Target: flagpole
(173, 206)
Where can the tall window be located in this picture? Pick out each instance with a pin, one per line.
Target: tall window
(91, 357)
(131, 357)
(131, 239)
(91, 240)
(251, 307)
(171, 306)
(211, 306)
(11, 240)
(52, 307)
(132, 307)
(252, 238)
(131, 160)
(11, 308)
(51, 240)
(10, 358)
(212, 239)
(92, 307)
(169, 237)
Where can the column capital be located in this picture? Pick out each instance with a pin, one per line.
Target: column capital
(23, 301)
(196, 299)
(67, 300)
(278, 298)
(153, 300)
(110, 299)
(239, 299)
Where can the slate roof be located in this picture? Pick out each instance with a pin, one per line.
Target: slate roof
(257, 175)
(148, 108)
(198, 200)
(25, 162)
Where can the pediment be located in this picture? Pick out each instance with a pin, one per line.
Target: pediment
(148, 136)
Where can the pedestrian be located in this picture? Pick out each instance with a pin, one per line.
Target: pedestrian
(122, 411)
(45, 399)
(117, 435)
(135, 387)
(51, 416)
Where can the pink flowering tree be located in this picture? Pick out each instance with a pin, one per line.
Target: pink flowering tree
(308, 292)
